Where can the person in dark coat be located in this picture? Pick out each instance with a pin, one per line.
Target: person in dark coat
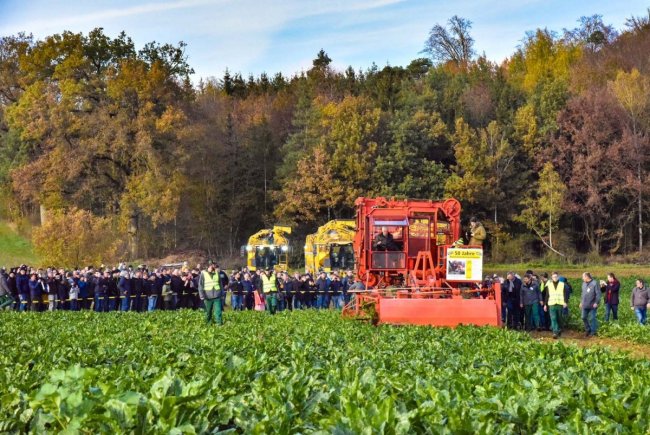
(157, 289)
(187, 295)
(611, 292)
(335, 290)
(291, 288)
(6, 300)
(22, 282)
(112, 298)
(84, 292)
(90, 289)
(63, 291)
(510, 294)
(305, 292)
(177, 289)
(13, 289)
(323, 286)
(99, 291)
(124, 287)
(531, 303)
(136, 291)
(385, 241)
(236, 287)
(249, 289)
(34, 292)
(348, 280)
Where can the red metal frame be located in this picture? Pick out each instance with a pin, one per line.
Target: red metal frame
(416, 291)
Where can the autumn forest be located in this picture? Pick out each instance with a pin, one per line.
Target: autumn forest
(122, 153)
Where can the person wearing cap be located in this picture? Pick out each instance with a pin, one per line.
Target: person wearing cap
(270, 290)
(555, 300)
(210, 292)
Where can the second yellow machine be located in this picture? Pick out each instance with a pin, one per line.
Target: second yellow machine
(330, 248)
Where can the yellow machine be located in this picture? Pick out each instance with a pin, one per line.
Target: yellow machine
(268, 249)
(330, 247)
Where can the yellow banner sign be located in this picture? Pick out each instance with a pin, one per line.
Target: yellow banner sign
(465, 253)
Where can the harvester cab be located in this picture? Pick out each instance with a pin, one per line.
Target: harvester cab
(414, 267)
(331, 247)
(268, 248)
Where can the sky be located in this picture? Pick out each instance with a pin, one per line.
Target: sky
(251, 37)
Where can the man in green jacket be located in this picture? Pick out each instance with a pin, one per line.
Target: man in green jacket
(211, 292)
(555, 300)
(270, 290)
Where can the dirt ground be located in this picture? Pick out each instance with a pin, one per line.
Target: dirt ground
(578, 339)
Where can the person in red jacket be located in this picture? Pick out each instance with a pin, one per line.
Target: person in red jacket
(612, 288)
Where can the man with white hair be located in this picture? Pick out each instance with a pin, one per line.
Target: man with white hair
(385, 241)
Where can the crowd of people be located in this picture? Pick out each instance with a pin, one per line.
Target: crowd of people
(126, 288)
(542, 302)
(531, 302)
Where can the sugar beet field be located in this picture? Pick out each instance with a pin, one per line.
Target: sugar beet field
(304, 372)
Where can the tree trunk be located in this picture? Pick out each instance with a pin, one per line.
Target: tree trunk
(550, 230)
(43, 212)
(638, 174)
(133, 236)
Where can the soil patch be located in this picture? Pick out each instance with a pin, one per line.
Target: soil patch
(578, 339)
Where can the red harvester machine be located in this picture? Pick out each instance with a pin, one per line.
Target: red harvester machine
(424, 276)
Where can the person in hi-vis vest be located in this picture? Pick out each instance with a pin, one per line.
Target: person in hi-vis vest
(270, 290)
(555, 301)
(211, 292)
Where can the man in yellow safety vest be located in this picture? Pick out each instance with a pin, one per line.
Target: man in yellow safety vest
(270, 290)
(555, 301)
(211, 292)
